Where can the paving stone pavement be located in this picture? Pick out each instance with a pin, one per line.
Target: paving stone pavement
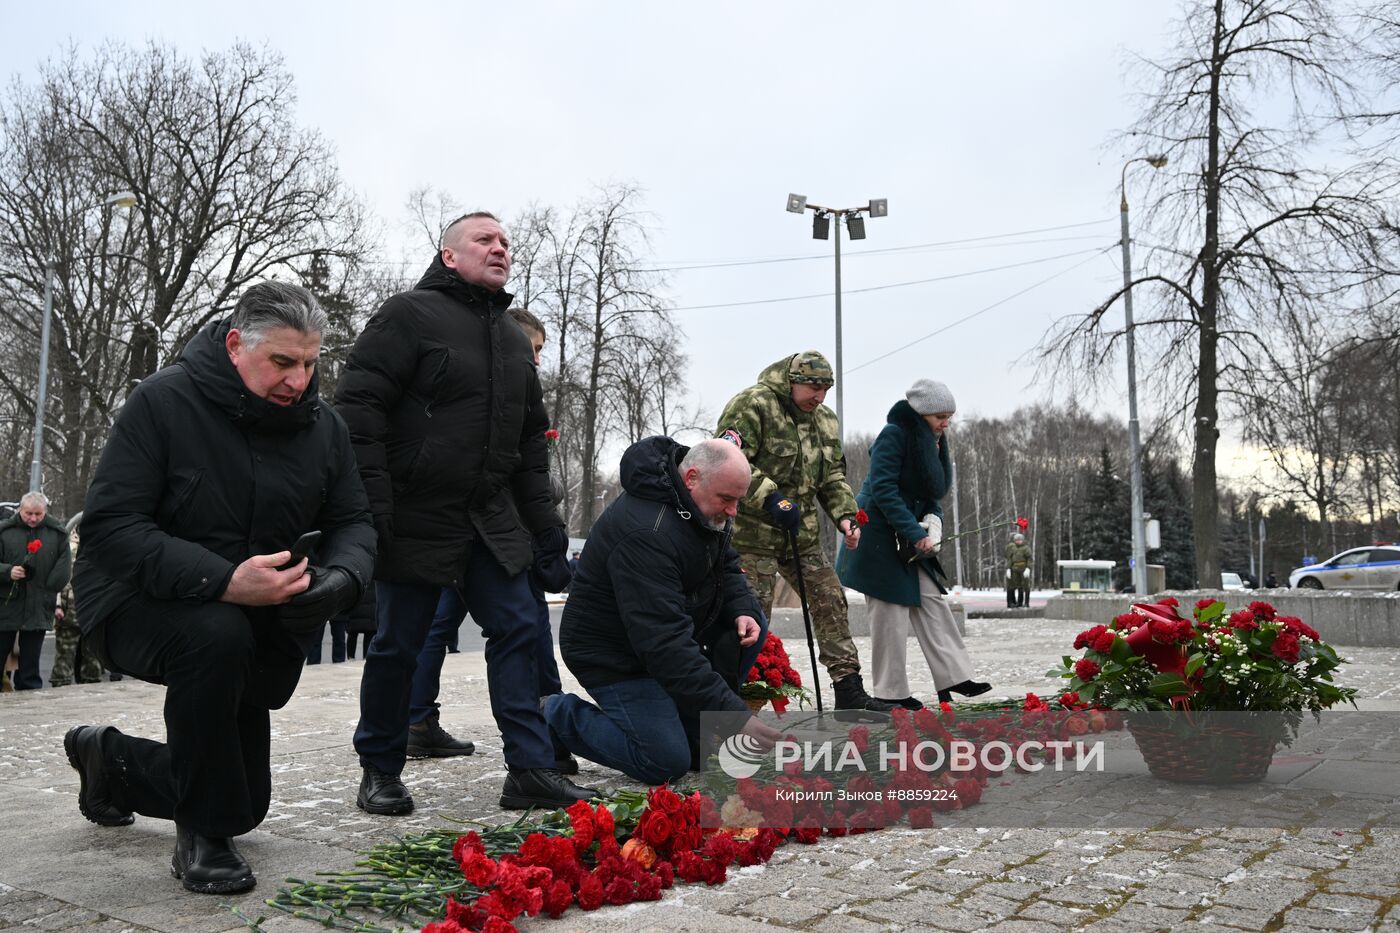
(58, 872)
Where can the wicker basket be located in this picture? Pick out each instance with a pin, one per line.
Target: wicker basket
(755, 704)
(1209, 754)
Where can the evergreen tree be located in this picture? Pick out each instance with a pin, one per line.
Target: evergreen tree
(1166, 497)
(1105, 532)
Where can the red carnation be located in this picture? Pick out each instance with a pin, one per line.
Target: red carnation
(859, 736)
(1085, 669)
(557, 898)
(1103, 644)
(862, 519)
(551, 435)
(590, 893)
(1285, 646)
(1169, 601)
(1034, 702)
(33, 546)
(1262, 610)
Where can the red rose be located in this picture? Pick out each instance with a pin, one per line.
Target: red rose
(551, 435)
(658, 829)
(1085, 669)
(33, 546)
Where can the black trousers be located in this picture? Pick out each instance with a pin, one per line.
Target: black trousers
(28, 642)
(224, 667)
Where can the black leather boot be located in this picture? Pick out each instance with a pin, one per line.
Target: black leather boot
(544, 788)
(383, 793)
(428, 739)
(971, 688)
(209, 865)
(850, 694)
(84, 747)
(945, 696)
(909, 703)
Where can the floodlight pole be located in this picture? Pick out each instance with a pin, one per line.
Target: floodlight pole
(798, 203)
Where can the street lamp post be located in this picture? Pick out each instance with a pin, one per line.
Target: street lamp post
(36, 468)
(821, 229)
(1134, 438)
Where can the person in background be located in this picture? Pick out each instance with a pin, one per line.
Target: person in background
(910, 474)
(70, 650)
(35, 563)
(1018, 572)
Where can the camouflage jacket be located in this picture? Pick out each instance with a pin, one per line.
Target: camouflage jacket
(1018, 556)
(792, 452)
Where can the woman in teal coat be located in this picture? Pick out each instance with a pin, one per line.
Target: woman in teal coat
(910, 473)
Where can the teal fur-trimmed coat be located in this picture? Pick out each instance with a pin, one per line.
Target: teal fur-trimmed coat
(910, 473)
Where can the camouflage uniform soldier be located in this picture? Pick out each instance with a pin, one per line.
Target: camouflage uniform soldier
(67, 643)
(793, 444)
(1018, 572)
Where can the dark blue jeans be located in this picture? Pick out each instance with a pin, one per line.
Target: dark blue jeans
(505, 609)
(427, 677)
(636, 728)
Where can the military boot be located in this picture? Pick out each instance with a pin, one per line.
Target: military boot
(851, 695)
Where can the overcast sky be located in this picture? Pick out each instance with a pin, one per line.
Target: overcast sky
(975, 120)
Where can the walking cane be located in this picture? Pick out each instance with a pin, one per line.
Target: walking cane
(807, 621)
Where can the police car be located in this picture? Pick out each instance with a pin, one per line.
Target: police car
(1376, 567)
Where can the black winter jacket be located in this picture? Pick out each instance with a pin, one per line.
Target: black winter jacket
(29, 603)
(199, 474)
(654, 588)
(448, 421)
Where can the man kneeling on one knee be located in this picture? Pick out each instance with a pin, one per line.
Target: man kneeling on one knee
(660, 624)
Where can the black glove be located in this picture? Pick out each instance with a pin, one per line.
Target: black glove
(784, 513)
(550, 569)
(332, 591)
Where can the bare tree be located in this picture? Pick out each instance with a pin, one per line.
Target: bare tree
(1250, 218)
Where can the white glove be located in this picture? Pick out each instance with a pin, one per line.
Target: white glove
(1008, 574)
(1026, 573)
(934, 526)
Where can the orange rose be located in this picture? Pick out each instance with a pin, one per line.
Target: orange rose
(639, 852)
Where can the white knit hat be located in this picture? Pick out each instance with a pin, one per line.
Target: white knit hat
(927, 397)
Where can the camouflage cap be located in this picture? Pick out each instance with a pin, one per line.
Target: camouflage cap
(810, 368)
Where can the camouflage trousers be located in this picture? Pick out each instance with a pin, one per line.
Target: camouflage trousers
(66, 645)
(826, 600)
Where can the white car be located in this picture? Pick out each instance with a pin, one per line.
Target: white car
(1376, 567)
(1231, 581)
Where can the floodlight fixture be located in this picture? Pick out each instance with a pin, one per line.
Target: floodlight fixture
(797, 203)
(879, 207)
(821, 226)
(855, 226)
(1157, 161)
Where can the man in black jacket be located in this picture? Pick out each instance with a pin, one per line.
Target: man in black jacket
(657, 605)
(214, 467)
(448, 422)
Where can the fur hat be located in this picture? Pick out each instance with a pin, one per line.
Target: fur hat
(928, 397)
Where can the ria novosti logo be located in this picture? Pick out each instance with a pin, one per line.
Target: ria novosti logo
(741, 756)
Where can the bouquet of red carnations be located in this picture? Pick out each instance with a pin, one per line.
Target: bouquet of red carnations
(773, 679)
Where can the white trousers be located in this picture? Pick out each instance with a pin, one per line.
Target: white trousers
(933, 624)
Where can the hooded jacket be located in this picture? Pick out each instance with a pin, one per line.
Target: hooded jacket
(447, 419)
(199, 474)
(910, 473)
(28, 604)
(655, 587)
(791, 451)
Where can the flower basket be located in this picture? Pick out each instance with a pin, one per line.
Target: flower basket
(1207, 753)
(755, 704)
(1208, 696)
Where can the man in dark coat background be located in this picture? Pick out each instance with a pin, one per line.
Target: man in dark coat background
(215, 466)
(35, 562)
(448, 421)
(660, 624)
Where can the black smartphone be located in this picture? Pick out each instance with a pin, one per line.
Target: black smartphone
(303, 548)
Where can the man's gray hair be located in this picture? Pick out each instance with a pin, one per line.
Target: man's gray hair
(32, 499)
(270, 305)
(710, 455)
